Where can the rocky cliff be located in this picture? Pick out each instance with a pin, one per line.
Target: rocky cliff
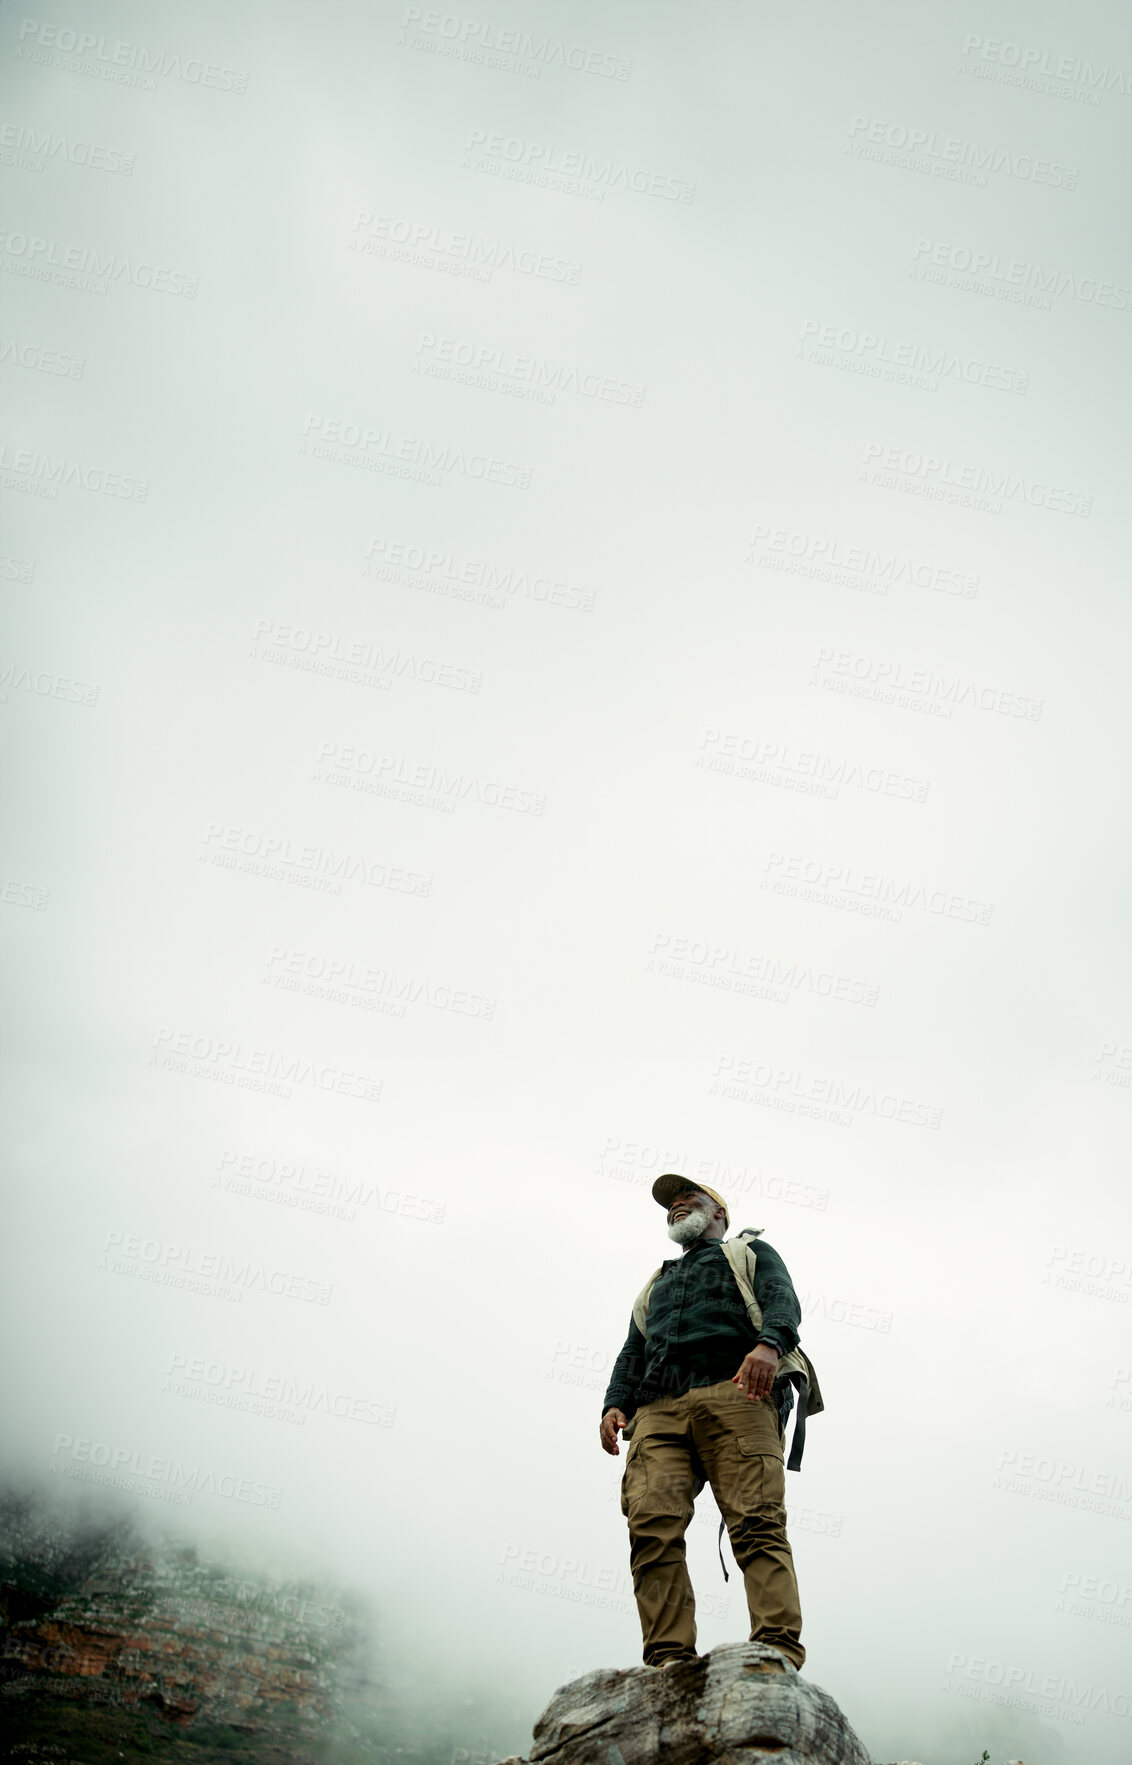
(114, 1641)
(122, 1639)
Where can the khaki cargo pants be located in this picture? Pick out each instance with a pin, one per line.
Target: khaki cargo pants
(716, 1435)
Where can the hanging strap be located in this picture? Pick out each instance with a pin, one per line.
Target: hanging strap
(801, 1391)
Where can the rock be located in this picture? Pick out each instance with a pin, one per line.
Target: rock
(113, 1622)
(742, 1703)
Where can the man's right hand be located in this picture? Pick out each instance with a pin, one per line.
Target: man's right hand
(610, 1423)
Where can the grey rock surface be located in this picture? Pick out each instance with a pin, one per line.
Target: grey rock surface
(742, 1703)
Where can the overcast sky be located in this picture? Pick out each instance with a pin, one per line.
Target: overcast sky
(562, 622)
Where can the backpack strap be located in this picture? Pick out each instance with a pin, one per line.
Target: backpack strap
(641, 1303)
(743, 1260)
(795, 1366)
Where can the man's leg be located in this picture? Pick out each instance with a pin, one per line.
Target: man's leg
(741, 1448)
(662, 1478)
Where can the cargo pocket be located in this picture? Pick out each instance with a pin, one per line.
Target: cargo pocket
(761, 1476)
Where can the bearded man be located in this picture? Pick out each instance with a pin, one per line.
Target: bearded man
(696, 1390)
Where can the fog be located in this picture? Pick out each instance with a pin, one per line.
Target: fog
(562, 623)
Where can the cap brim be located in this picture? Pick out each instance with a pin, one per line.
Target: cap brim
(669, 1185)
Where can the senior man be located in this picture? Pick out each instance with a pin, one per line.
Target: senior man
(698, 1384)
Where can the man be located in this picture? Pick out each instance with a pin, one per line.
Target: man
(700, 1384)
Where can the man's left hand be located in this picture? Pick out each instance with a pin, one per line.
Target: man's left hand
(756, 1376)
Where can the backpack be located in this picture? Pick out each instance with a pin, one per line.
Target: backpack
(795, 1366)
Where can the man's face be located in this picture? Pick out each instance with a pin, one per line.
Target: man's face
(690, 1212)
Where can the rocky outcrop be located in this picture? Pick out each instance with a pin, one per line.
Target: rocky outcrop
(740, 1704)
(155, 1625)
(105, 1617)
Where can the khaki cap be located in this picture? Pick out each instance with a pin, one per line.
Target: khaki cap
(670, 1184)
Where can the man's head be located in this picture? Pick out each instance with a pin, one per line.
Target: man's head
(693, 1212)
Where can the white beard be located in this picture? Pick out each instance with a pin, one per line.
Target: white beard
(691, 1227)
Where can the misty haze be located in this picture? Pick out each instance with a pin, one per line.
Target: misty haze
(563, 623)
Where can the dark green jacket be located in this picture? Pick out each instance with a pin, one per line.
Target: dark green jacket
(698, 1330)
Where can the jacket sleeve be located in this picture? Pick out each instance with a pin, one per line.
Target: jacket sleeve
(628, 1371)
(774, 1290)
